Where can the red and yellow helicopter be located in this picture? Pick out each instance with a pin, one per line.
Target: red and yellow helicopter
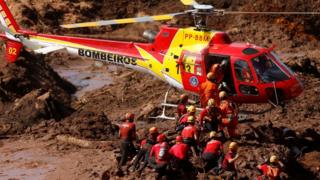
(180, 56)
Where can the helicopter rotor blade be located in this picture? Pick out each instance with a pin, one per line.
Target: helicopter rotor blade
(269, 13)
(124, 21)
(189, 2)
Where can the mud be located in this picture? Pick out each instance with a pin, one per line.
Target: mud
(93, 112)
(31, 91)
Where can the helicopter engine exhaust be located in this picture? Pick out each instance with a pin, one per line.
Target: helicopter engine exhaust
(150, 35)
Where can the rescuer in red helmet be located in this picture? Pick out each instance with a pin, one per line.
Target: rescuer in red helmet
(179, 157)
(182, 106)
(159, 156)
(127, 134)
(145, 147)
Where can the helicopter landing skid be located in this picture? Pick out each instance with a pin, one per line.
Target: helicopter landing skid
(163, 114)
(241, 116)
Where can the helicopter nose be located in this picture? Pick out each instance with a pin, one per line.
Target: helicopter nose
(296, 88)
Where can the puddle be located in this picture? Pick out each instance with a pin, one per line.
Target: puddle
(26, 165)
(85, 80)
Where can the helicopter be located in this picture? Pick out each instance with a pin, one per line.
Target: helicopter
(181, 57)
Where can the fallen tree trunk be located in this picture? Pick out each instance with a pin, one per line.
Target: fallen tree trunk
(85, 143)
(74, 141)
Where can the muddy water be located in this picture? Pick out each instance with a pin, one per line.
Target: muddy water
(25, 163)
(86, 79)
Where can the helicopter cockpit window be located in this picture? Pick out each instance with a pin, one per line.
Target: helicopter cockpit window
(267, 70)
(243, 72)
(190, 65)
(277, 58)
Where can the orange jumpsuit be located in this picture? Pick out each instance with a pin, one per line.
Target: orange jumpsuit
(247, 75)
(229, 117)
(207, 91)
(218, 74)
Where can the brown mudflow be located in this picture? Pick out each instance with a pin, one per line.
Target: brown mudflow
(37, 101)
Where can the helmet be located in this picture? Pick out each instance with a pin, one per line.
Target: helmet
(274, 159)
(179, 139)
(184, 97)
(211, 102)
(129, 116)
(233, 146)
(190, 119)
(153, 130)
(213, 134)
(210, 76)
(191, 109)
(222, 94)
(161, 138)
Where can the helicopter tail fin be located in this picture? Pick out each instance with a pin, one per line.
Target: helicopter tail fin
(10, 29)
(7, 19)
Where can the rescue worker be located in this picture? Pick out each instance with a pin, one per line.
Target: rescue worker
(159, 156)
(209, 116)
(212, 152)
(145, 148)
(127, 134)
(182, 106)
(246, 75)
(179, 154)
(228, 163)
(271, 170)
(229, 114)
(190, 135)
(191, 111)
(208, 90)
(218, 72)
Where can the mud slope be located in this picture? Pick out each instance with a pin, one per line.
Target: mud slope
(94, 114)
(30, 91)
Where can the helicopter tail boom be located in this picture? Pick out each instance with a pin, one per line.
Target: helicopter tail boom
(7, 19)
(11, 30)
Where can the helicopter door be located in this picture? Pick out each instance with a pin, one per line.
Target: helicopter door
(244, 80)
(191, 70)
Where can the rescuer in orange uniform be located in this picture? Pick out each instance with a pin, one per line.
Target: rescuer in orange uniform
(179, 154)
(191, 111)
(127, 134)
(209, 116)
(208, 90)
(218, 72)
(182, 106)
(246, 74)
(159, 156)
(212, 152)
(145, 148)
(229, 114)
(228, 164)
(190, 135)
(271, 170)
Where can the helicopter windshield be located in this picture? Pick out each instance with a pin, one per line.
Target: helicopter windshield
(267, 70)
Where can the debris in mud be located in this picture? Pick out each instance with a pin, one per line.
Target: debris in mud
(30, 91)
(85, 143)
(89, 125)
(30, 94)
